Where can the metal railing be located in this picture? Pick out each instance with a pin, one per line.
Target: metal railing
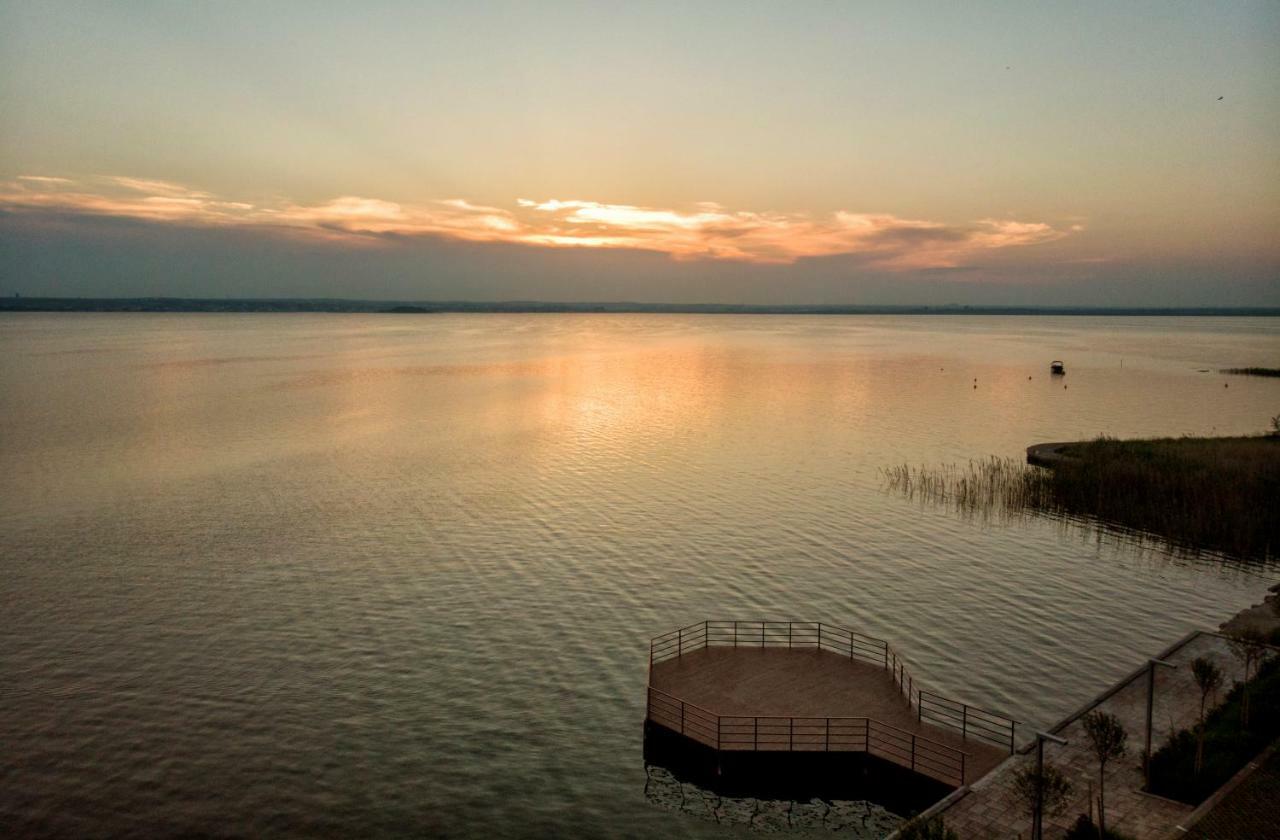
(753, 733)
(931, 708)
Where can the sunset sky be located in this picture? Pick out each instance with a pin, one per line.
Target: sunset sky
(1084, 153)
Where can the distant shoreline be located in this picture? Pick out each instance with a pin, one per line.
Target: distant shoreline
(403, 307)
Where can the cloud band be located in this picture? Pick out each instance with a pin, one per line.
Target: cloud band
(705, 231)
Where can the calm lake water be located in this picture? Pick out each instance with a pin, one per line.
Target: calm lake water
(358, 575)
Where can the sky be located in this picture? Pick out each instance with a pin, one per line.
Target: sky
(738, 152)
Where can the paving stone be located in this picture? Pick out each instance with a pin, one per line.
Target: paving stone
(1251, 811)
(989, 811)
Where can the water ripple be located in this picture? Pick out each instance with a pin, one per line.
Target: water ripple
(414, 596)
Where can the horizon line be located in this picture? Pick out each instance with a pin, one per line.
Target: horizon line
(164, 303)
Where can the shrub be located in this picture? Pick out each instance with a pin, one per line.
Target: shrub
(934, 829)
(1027, 782)
(1228, 744)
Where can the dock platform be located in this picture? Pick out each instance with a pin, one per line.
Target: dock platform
(808, 686)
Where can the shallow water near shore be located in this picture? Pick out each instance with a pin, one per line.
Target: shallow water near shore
(376, 575)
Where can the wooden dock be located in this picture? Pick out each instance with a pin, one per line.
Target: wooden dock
(805, 687)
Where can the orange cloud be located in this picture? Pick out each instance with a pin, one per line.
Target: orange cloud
(706, 231)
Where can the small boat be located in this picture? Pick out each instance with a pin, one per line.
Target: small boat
(1056, 367)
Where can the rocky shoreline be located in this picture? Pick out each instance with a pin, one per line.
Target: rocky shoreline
(858, 819)
(1264, 617)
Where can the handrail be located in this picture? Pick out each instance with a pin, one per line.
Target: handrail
(897, 729)
(781, 733)
(931, 708)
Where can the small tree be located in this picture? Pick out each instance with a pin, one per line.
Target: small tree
(1249, 648)
(934, 829)
(1052, 790)
(1108, 738)
(1209, 679)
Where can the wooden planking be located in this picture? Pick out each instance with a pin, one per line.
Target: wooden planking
(802, 683)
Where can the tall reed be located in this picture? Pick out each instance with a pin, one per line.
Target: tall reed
(1216, 494)
(1252, 371)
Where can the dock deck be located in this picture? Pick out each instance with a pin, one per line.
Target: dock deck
(809, 685)
(805, 687)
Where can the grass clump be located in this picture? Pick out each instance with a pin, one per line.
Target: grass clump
(1229, 743)
(999, 487)
(1214, 494)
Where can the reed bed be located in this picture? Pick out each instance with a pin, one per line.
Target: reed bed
(1197, 494)
(1252, 371)
(994, 487)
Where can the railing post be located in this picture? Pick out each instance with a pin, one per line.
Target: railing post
(788, 635)
(681, 717)
(680, 643)
(913, 751)
(762, 635)
(735, 633)
(706, 634)
(717, 733)
(755, 734)
(820, 638)
(964, 722)
(910, 686)
(919, 707)
(791, 734)
(1013, 726)
(886, 655)
(826, 742)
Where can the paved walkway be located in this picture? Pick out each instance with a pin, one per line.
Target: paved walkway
(989, 811)
(1251, 811)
